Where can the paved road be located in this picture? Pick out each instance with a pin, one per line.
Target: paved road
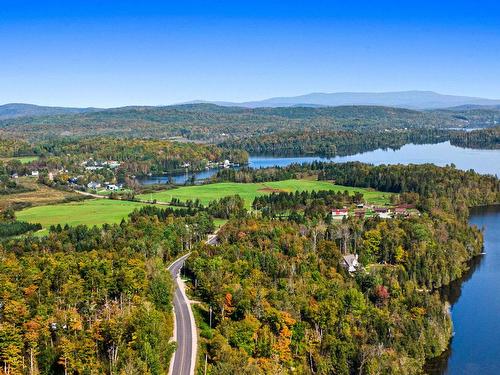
(185, 328)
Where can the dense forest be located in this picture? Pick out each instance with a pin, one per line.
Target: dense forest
(334, 143)
(93, 300)
(214, 123)
(488, 138)
(14, 147)
(343, 142)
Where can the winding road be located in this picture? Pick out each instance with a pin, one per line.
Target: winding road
(185, 333)
(185, 328)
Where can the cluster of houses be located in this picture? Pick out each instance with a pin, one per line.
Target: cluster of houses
(226, 164)
(36, 174)
(31, 174)
(362, 211)
(92, 165)
(111, 187)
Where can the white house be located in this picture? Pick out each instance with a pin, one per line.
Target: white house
(93, 185)
(113, 164)
(34, 173)
(113, 187)
(350, 262)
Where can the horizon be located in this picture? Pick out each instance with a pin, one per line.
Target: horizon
(230, 103)
(91, 54)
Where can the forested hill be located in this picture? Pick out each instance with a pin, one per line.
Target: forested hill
(214, 123)
(15, 110)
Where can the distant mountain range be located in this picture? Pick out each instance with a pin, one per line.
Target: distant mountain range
(417, 100)
(402, 99)
(15, 110)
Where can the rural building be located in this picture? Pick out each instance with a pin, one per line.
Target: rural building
(113, 187)
(34, 173)
(339, 214)
(382, 212)
(350, 262)
(93, 168)
(93, 185)
(112, 164)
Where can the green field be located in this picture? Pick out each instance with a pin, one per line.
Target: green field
(89, 212)
(22, 159)
(99, 211)
(210, 192)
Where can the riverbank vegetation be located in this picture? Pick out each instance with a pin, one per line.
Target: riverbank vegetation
(482, 138)
(334, 143)
(343, 142)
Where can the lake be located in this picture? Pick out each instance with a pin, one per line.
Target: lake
(482, 161)
(475, 300)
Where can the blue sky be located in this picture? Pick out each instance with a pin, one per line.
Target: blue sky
(113, 53)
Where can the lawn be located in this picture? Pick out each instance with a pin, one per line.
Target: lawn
(209, 192)
(22, 159)
(89, 212)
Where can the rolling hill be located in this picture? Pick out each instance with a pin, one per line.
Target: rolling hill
(15, 110)
(208, 122)
(402, 99)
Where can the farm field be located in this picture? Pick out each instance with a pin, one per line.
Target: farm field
(210, 192)
(89, 212)
(41, 194)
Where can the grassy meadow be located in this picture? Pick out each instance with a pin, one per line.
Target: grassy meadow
(89, 212)
(40, 194)
(210, 192)
(99, 211)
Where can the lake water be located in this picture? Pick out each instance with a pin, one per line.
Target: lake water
(482, 161)
(475, 299)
